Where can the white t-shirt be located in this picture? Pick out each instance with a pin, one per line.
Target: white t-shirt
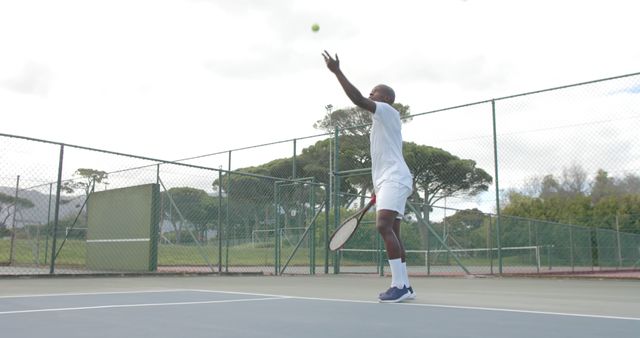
(387, 162)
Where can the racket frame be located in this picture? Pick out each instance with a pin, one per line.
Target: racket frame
(359, 215)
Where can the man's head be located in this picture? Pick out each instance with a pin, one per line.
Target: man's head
(383, 93)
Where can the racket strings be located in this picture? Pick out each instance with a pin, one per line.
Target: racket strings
(342, 234)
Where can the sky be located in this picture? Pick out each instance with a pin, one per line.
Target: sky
(173, 79)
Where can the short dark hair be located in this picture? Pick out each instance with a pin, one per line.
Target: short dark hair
(389, 92)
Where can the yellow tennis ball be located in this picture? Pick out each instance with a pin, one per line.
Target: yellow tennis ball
(315, 27)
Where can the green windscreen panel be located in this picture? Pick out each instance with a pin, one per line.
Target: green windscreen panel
(123, 229)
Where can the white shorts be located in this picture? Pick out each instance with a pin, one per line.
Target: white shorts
(392, 196)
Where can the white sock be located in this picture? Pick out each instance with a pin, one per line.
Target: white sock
(396, 272)
(405, 274)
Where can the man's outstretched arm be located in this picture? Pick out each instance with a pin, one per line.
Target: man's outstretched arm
(352, 92)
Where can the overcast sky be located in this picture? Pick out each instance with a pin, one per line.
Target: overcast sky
(179, 78)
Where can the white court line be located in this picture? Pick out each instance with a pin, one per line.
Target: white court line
(118, 240)
(265, 296)
(138, 305)
(92, 293)
(433, 306)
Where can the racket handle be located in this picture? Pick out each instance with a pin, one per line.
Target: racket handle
(373, 199)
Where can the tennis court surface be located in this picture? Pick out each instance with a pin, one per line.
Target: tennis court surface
(320, 306)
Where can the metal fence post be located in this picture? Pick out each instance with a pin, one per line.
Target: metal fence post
(327, 207)
(226, 256)
(276, 229)
(571, 248)
(293, 169)
(56, 212)
(618, 241)
(495, 158)
(537, 245)
(591, 250)
(336, 199)
(46, 242)
(13, 226)
(312, 236)
(490, 244)
(220, 221)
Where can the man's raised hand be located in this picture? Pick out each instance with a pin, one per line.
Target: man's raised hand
(332, 64)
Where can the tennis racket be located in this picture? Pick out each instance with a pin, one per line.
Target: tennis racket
(348, 227)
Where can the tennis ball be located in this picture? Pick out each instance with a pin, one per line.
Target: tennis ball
(315, 27)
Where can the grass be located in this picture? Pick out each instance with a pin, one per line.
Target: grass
(73, 253)
(33, 253)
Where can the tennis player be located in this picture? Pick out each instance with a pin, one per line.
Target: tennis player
(391, 177)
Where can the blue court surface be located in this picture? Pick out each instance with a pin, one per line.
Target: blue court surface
(162, 312)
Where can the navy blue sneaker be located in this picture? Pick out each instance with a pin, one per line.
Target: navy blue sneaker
(384, 293)
(395, 295)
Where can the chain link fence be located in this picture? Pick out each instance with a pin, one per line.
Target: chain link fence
(543, 182)
(73, 210)
(525, 184)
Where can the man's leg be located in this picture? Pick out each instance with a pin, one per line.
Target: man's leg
(385, 221)
(396, 231)
(403, 257)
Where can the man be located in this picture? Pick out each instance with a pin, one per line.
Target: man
(390, 174)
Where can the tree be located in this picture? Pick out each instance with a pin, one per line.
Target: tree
(574, 181)
(603, 186)
(465, 220)
(354, 124)
(8, 206)
(437, 174)
(315, 161)
(355, 120)
(600, 202)
(197, 208)
(249, 199)
(630, 184)
(86, 182)
(549, 187)
(558, 208)
(460, 225)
